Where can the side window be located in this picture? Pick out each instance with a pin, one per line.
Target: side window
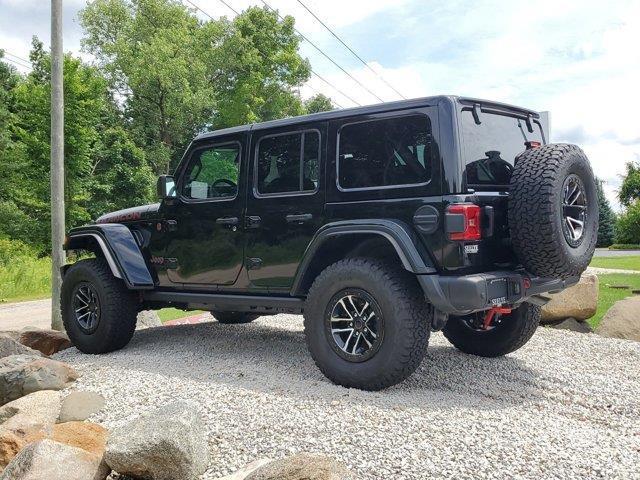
(385, 153)
(288, 163)
(213, 173)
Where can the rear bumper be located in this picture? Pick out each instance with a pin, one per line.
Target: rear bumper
(459, 295)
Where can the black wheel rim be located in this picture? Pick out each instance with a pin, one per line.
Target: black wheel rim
(574, 210)
(86, 307)
(354, 325)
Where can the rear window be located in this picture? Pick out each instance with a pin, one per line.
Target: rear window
(385, 153)
(491, 146)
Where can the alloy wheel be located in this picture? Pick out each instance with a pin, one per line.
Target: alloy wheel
(355, 325)
(86, 307)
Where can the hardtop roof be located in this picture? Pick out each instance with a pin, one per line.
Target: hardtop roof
(367, 109)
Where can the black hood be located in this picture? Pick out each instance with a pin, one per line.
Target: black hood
(143, 212)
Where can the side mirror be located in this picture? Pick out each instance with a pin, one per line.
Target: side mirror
(166, 187)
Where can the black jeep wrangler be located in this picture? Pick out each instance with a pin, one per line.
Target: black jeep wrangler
(380, 224)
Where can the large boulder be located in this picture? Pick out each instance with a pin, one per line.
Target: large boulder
(622, 320)
(36, 409)
(148, 319)
(24, 374)
(50, 460)
(163, 444)
(302, 466)
(78, 406)
(87, 436)
(47, 342)
(579, 302)
(10, 346)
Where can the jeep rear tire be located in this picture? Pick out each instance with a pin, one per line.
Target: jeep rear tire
(366, 323)
(231, 318)
(553, 211)
(98, 311)
(507, 334)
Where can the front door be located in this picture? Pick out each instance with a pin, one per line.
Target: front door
(206, 244)
(285, 202)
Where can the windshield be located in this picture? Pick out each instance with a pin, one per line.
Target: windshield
(491, 146)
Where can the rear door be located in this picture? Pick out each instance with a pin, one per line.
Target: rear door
(491, 139)
(285, 202)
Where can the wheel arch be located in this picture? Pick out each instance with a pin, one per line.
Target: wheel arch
(377, 238)
(117, 245)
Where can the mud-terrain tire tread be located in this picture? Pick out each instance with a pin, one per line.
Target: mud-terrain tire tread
(233, 318)
(533, 209)
(411, 311)
(118, 314)
(503, 339)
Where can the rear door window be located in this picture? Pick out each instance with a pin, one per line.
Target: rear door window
(385, 153)
(491, 146)
(288, 163)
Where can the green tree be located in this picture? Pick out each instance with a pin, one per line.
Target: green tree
(318, 103)
(101, 161)
(178, 75)
(606, 218)
(630, 188)
(628, 225)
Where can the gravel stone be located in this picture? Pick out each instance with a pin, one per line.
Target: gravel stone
(564, 406)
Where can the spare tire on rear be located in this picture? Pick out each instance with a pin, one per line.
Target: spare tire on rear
(553, 210)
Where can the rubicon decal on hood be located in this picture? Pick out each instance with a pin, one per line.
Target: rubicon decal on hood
(130, 214)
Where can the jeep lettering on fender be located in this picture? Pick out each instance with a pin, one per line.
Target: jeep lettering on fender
(380, 224)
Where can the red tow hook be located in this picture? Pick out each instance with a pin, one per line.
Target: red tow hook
(488, 318)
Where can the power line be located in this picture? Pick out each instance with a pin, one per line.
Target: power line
(15, 62)
(350, 49)
(17, 57)
(323, 53)
(265, 56)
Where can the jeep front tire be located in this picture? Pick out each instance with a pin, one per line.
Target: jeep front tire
(98, 311)
(366, 323)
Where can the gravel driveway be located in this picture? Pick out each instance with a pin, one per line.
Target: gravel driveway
(565, 406)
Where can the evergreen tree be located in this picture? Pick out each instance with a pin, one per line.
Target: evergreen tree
(606, 218)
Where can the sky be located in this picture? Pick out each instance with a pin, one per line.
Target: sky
(579, 60)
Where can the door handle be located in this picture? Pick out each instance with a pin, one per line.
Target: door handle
(301, 218)
(227, 221)
(252, 221)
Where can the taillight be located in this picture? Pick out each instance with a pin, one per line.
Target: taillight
(466, 218)
(532, 144)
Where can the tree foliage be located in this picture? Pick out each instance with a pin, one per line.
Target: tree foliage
(607, 218)
(630, 188)
(103, 167)
(318, 103)
(179, 75)
(628, 225)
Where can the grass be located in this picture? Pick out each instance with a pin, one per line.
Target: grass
(25, 279)
(631, 262)
(607, 296)
(167, 314)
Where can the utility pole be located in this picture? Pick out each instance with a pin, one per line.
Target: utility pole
(57, 163)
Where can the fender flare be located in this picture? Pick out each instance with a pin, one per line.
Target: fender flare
(120, 250)
(412, 254)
